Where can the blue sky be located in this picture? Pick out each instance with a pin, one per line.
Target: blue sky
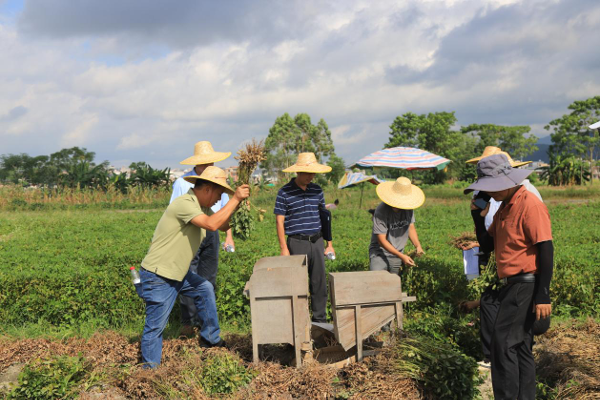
(136, 81)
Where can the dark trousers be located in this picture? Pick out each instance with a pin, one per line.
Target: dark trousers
(206, 264)
(316, 274)
(513, 366)
(488, 310)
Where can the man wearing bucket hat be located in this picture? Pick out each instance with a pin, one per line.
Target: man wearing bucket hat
(165, 271)
(206, 261)
(485, 207)
(298, 217)
(521, 236)
(394, 224)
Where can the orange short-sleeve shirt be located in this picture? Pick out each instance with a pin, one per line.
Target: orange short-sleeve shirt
(518, 226)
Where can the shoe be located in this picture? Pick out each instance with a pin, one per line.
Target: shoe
(187, 330)
(485, 364)
(205, 345)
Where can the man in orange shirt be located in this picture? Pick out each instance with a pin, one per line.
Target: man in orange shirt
(521, 236)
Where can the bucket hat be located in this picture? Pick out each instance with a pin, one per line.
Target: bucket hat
(491, 150)
(212, 174)
(401, 194)
(307, 162)
(204, 154)
(494, 174)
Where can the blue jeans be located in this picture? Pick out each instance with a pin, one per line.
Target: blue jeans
(160, 294)
(205, 263)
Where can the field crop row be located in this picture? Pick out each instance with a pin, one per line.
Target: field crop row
(65, 268)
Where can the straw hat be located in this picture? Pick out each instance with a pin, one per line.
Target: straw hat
(212, 174)
(491, 150)
(204, 154)
(401, 194)
(307, 162)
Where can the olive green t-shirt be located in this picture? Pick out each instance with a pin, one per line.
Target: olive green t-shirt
(176, 240)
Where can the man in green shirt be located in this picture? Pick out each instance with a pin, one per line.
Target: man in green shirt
(165, 269)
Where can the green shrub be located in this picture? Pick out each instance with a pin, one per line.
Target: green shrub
(56, 378)
(442, 370)
(223, 373)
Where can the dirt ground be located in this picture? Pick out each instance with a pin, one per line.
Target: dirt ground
(566, 354)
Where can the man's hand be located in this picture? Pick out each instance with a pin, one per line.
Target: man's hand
(468, 306)
(329, 249)
(542, 311)
(407, 260)
(420, 251)
(242, 192)
(285, 252)
(229, 241)
(485, 211)
(473, 206)
(469, 245)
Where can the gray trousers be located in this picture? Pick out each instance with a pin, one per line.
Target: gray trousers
(383, 263)
(316, 274)
(206, 264)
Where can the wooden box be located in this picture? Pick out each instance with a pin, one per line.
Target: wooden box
(362, 303)
(278, 292)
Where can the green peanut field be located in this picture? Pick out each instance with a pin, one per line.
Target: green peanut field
(64, 267)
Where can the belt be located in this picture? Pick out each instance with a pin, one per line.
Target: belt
(310, 238)
(520, 278)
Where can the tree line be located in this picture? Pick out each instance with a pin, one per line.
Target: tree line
(75, 167)
(574, 149)
(573, 153)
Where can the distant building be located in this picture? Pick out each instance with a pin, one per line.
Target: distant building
(232, 172)
(536, 166)
(177, 173)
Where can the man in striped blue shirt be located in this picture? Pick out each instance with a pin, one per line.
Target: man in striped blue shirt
(297, 216)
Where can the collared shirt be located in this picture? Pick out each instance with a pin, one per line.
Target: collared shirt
(176, 240)
(518, 226)
(181, 187)
(300, 208)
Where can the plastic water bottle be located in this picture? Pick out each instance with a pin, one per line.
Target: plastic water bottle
(330, 255)
(137, 281)
(228, 248)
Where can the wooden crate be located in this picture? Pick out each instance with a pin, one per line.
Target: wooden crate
(278, 292)
(362, 303)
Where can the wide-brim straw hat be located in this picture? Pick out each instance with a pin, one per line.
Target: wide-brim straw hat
(491, 150)
(307, 162)
(494, 174)
(401, 194)
(212, 174)
(204, 154)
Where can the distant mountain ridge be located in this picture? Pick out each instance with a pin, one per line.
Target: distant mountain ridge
(541, 154)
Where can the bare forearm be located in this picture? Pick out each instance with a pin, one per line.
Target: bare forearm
(220, 219)
(412, 235)
(383, 242)
(281, 232)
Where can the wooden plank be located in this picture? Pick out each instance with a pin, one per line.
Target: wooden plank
(280, 262)
(255, 332)
(399, 314)
(358, 333)
(365, 287)
(296, 327)
(279, 282)
(373, 318)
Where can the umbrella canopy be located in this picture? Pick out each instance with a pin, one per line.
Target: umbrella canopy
(403, 157)
(354, 178)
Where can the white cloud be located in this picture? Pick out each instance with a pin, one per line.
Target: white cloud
(357, 64)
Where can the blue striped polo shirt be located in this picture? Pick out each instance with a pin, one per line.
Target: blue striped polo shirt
(300, 207)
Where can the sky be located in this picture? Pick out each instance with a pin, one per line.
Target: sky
(145, 80)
